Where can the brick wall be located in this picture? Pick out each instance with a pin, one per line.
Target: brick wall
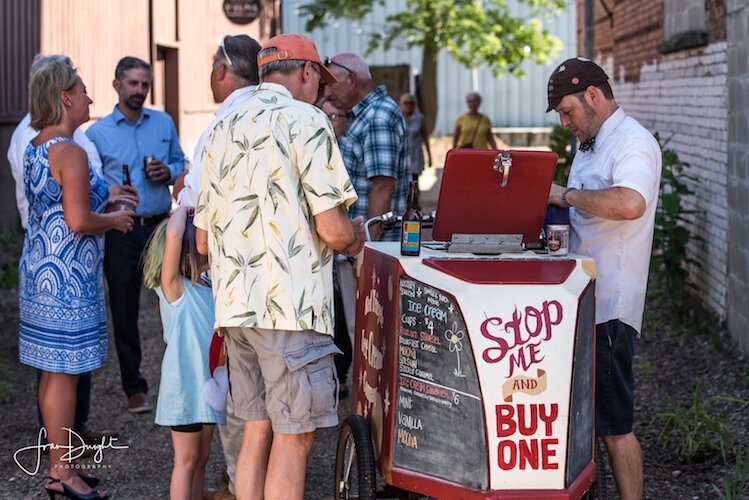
(630, 32)
(683, 97)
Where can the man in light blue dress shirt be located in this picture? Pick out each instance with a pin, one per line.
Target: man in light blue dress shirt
(124, 137)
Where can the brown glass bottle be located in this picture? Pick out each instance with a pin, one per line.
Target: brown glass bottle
(125, 175)
(411, 224)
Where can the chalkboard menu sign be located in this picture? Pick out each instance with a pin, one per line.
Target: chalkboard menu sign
(439, 428)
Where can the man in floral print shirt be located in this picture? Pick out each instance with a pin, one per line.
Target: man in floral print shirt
(271, 213)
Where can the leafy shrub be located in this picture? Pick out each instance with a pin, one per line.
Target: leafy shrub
(560, 141)
(671, 237)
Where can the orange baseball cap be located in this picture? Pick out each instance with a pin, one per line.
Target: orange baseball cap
(291, 47)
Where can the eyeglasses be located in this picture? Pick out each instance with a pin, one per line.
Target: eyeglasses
(222, 43)
(329, 61)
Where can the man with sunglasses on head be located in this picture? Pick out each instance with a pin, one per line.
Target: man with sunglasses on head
(375, 146)
(271, 213)
(233, 80)
(234, 77)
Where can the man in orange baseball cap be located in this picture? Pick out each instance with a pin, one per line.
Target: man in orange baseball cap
(272, 210)
(293, 47)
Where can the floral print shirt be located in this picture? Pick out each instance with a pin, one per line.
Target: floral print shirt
(268, 168)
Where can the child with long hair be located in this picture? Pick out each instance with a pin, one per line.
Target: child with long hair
(173, 269)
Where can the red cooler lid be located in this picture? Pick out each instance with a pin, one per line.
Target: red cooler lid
(481, 195)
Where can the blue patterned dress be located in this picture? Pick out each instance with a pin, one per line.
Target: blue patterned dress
(63, 324)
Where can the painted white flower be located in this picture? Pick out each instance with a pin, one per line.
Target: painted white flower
(455, 337)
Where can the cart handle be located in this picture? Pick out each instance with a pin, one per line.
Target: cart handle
(389, 220)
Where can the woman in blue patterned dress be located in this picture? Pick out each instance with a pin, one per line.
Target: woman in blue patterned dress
(63, 324)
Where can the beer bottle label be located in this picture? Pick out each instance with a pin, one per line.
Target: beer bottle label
(411, 236)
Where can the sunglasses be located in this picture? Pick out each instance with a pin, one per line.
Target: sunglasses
(222, 44)
(329, 61)
(321, 85)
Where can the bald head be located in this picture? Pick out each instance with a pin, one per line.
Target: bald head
(354, 80)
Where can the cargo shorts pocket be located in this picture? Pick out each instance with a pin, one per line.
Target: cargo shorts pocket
(312, 380)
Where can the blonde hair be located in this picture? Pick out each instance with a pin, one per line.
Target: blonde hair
(153, 257)
(190, 260)
(49, 75)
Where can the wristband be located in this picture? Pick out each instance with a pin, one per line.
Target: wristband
(566, 203)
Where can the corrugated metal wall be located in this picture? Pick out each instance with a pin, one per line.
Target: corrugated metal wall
(19, 42)
(201, 24)
(96, 34)
(19, 32)
(508, 101)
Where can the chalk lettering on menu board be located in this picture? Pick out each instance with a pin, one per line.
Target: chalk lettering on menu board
(514, 336)
(440, 420)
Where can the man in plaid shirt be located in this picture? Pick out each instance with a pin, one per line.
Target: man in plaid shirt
(375, 146)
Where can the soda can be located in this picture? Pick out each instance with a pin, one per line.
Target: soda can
(146, 160)
(558, 239)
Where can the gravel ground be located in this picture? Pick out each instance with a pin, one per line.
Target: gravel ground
(669, 364)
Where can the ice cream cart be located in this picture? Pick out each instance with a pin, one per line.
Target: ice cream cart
(474, 362)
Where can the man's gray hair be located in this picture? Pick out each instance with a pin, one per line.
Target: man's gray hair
(285, 66)
(356, 64)
(242, 50)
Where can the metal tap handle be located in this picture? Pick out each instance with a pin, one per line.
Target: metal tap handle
(385, 218)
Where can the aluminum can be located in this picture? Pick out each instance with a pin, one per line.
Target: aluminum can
(146, 160)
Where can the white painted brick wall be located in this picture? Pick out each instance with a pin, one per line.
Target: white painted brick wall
(684, 96)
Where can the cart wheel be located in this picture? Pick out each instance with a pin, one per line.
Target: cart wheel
(597, 490)
(355, 462)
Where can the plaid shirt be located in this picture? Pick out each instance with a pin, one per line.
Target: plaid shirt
(376, 143)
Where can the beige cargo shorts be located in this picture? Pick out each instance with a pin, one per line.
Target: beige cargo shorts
(287, 377)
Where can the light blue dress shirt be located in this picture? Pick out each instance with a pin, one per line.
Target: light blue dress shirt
(122, 143)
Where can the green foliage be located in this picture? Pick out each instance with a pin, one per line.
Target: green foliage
(736, 480)
(695, 430)
(9, 278)
(474, 32)
(671, 237)
(560, 141)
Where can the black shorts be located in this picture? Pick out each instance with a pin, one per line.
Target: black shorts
(615, 350)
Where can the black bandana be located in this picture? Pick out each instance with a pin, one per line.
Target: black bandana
(587, 145)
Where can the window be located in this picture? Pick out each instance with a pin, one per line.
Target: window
(684, 25)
